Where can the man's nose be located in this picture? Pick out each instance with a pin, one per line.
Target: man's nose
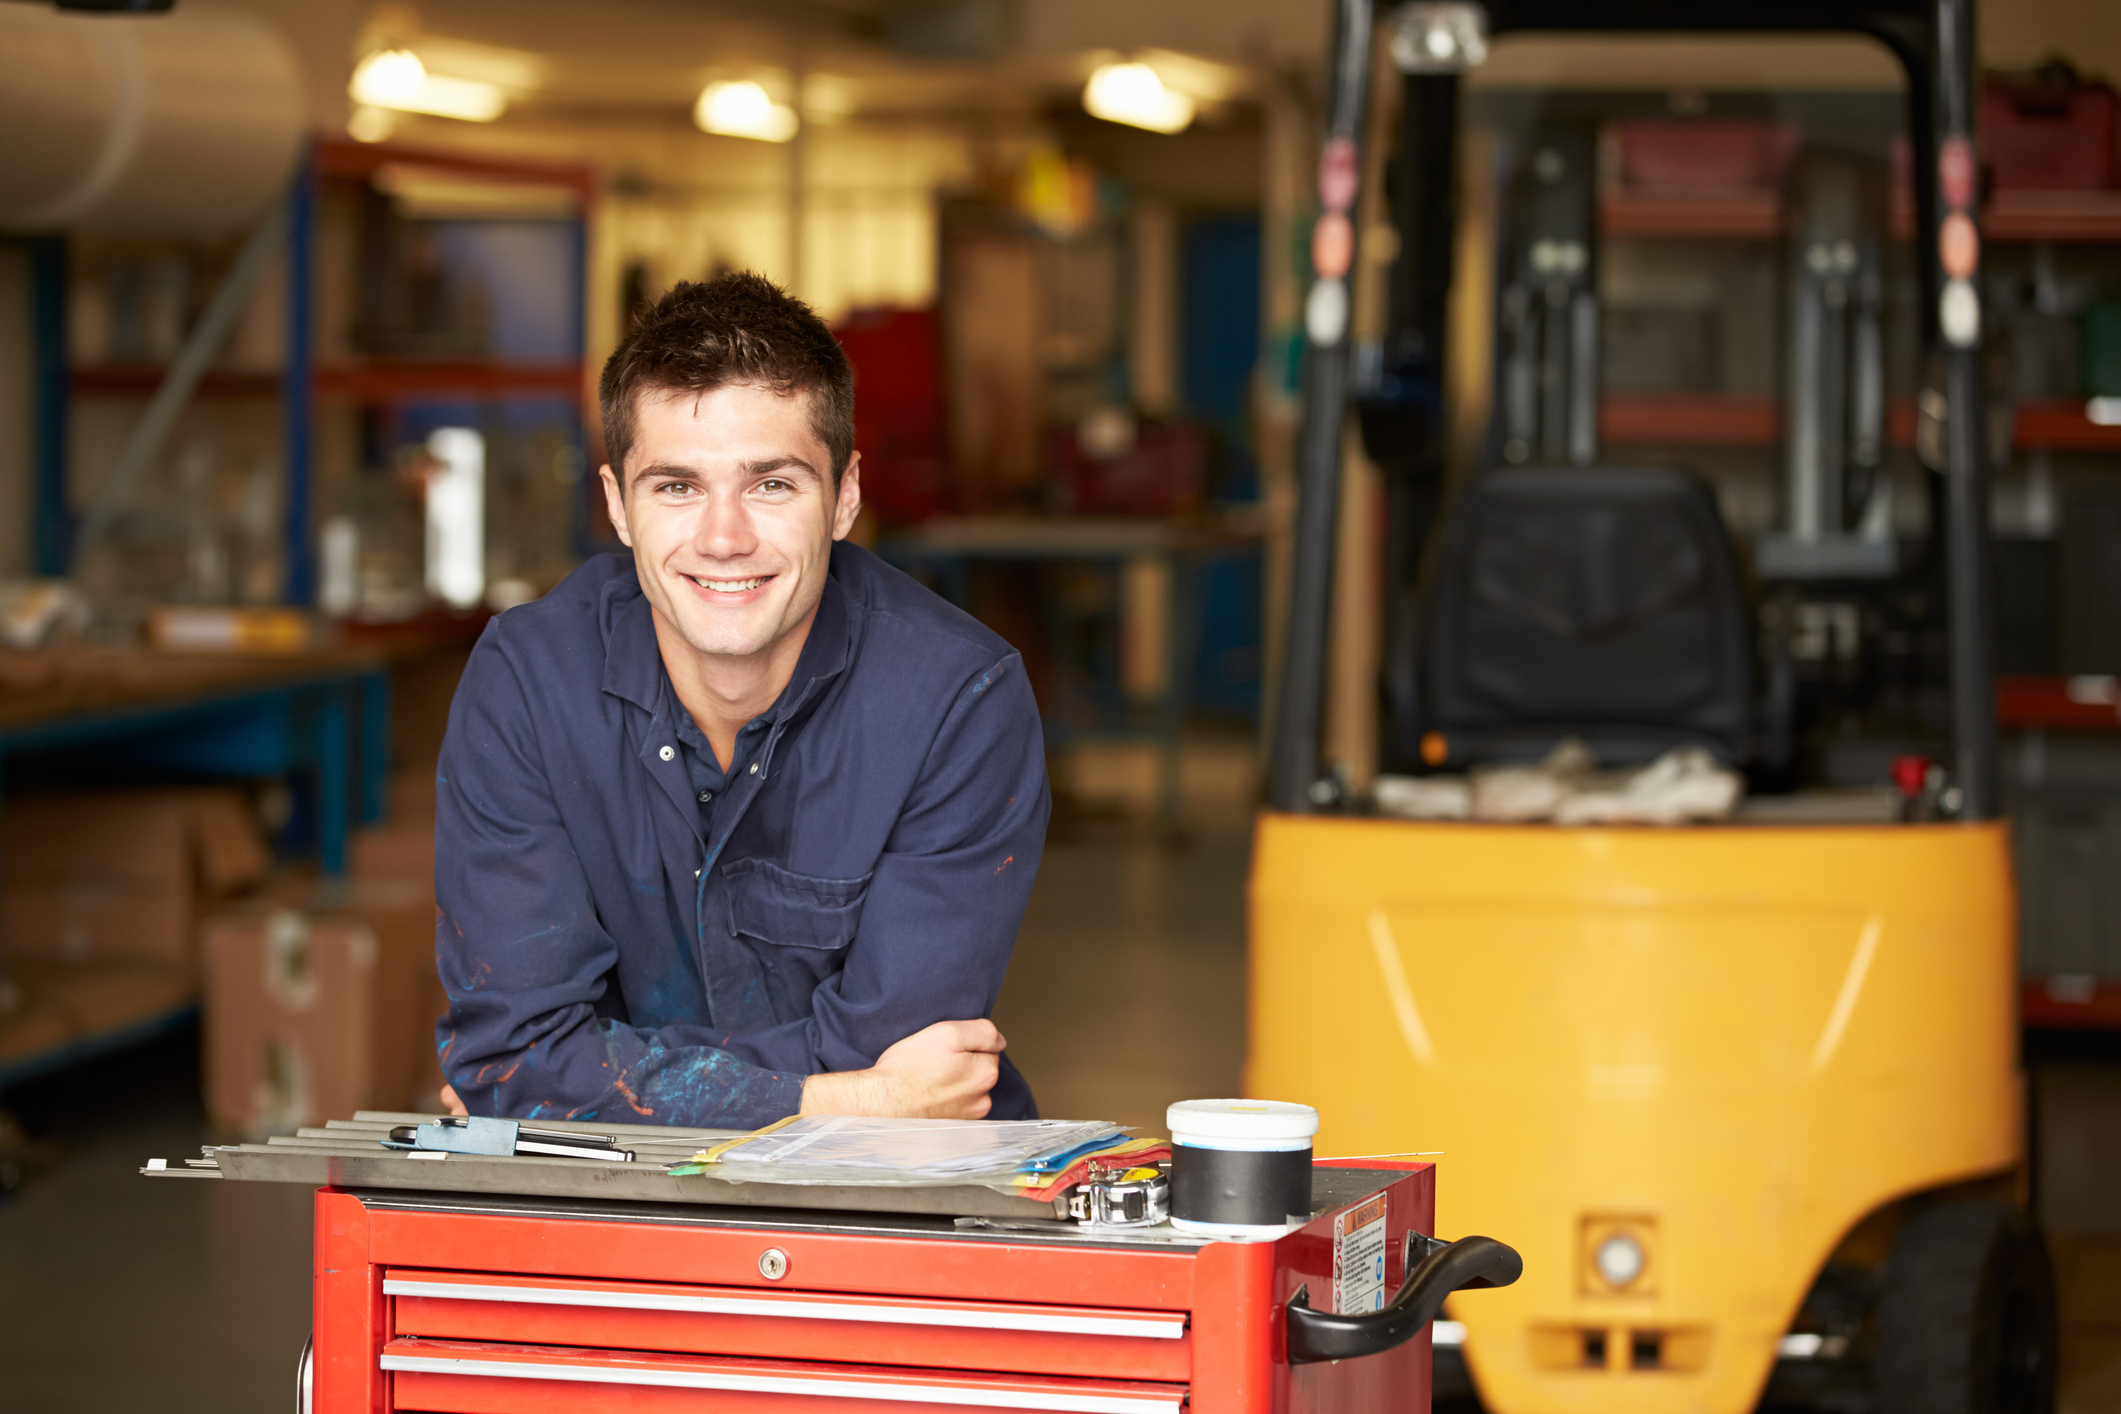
(724, 530)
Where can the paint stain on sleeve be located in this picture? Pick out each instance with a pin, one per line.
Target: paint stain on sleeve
(1005, 864)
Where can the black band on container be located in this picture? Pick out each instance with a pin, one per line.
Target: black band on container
(1253, 1187)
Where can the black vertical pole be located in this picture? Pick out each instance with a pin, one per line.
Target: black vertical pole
(1425, 211)
(52, 523)
(1328, 314)
(1958, 311)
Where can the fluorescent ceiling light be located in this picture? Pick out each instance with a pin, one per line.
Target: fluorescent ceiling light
(740, 108)
(389, 78)
(516, 71)
(395, 78)
(1133, 94)
(1440, 38)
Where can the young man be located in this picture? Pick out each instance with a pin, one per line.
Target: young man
(743, 826)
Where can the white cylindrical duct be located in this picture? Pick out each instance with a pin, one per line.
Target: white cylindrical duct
(180, 124)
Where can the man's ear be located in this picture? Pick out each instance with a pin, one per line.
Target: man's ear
(850, 501)
(615, 504)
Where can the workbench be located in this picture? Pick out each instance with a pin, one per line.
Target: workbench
(326, 712)
(101, 716)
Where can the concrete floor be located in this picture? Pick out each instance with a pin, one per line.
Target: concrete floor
(1127, 991)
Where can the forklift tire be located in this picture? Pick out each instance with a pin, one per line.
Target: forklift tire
(1966, 1315)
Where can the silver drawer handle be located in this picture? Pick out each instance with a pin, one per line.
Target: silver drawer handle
(1148, 1327)
(911, 1392)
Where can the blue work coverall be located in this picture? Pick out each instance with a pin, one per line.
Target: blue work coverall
(868, 867)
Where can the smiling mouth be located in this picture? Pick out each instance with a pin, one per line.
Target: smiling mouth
(729, 586)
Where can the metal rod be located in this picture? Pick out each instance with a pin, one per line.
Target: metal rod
(1973, 693)
(298, 578)
(1973, 690)
(49, 281)
(1293, 767)
(200, 349)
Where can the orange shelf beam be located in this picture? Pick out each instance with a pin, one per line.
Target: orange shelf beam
(126, 380)
(2027, 700)
(370, 381)
(1747, 214)
(355, 161)
(393, 380)
(1739, 420)
(1738, 214)
(1695, 419)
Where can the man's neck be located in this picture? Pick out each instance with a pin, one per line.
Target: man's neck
(722, 694)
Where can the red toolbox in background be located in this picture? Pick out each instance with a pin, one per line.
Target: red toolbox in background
(2055, 134)
(500, 1305)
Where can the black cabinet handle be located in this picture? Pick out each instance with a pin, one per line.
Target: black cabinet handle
(1466, 1264)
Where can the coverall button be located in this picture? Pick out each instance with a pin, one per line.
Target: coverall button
(667, 752)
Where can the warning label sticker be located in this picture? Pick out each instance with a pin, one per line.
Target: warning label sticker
(1359, 1258)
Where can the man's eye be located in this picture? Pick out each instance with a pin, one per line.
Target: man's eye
(775, 485)
(675, 488)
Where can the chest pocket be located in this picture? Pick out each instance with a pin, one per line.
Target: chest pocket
(779, 906)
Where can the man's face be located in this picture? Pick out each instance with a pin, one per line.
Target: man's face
(730, 512)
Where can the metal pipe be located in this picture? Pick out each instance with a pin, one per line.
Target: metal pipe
(1583, 378)
(1973, 693)
(50, 281)
(1300, 707)
(297, 571)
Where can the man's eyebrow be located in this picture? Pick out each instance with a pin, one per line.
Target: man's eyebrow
(668, 471)
(773, 464)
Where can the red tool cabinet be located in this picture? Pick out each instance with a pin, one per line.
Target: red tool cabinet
(499, 1305)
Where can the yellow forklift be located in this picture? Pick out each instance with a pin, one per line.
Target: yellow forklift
(1745, 1094)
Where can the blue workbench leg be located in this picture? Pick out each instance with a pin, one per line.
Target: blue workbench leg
(375, 744)
(334, 776)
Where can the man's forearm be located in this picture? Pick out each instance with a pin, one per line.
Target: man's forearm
(944, 1071)
(846, 1092)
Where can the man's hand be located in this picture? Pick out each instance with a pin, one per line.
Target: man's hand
(941, 1072)
(451, 1103)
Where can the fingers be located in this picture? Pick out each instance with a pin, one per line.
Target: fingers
(980, 1036)
(451, 1103)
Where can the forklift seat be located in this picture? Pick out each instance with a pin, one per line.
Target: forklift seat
(1598, 602)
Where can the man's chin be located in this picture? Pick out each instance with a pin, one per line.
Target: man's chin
(727, 640)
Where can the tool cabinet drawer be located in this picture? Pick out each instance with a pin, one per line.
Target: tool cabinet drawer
(790, 1325)
(469, 1377)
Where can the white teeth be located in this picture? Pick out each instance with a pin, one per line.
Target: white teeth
(726, 586)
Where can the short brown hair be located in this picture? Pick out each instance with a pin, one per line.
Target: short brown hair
(737, 327)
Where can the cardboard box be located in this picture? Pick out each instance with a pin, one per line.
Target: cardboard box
(403, 991)
(403, 845)
(114, 876)
(395, 852)
(401, 915)
(51, 1004)
(290, 1019)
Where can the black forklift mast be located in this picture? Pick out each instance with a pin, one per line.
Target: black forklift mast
(1933, 39)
